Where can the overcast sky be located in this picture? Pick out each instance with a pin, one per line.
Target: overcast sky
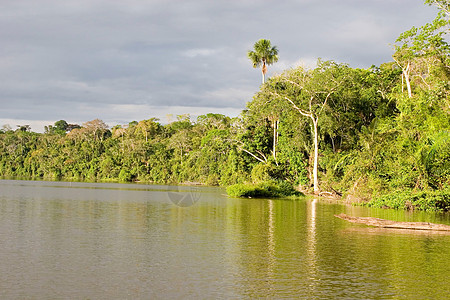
(125, 60)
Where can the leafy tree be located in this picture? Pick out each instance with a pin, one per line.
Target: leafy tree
(148, 127)
(216, 121)
(423, 51)
(308, 93)
(254, 136)
(60, 127)
(96, 128)
(24, 127)
(263, 55)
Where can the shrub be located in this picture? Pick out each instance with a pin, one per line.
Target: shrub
(125, 175)
(261, 173)
(265, 189)
(428, 200)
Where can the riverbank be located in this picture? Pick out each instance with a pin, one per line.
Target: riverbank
(426, 200)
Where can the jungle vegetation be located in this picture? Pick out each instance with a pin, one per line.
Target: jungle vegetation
(379, 135)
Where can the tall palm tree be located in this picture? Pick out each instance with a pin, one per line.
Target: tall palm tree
(263, 55)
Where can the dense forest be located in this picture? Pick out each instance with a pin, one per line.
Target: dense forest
(379, 134)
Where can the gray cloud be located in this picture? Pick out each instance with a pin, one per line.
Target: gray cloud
(125, 60)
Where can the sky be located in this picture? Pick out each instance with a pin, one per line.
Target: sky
(126, 60)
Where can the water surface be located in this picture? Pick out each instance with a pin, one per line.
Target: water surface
(127, 241)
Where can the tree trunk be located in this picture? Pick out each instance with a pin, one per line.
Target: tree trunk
(405, 74)
(316, 155)
(264, 71)
(408, 83)
(275, 140)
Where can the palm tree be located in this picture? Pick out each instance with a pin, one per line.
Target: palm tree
(263, 55)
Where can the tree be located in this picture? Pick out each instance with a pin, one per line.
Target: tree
(264, 55)
(444, 5)
(424, 50)
(308, 92)
(252, 137)
(24, 128)
(148, 127)
(96, 128)
(7, 128)
(214, 121)
(61, 126)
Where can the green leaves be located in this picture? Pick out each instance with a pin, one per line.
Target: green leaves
(424, 54)
(409, 200)
(266, 189)
(263, 55)
(434, 158)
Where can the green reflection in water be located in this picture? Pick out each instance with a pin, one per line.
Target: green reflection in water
(64, 242)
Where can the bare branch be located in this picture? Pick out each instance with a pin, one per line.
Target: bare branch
(424, 81)
(326, 98)
(253, 155)
(262, 154)
(293, 104)
(293, 82)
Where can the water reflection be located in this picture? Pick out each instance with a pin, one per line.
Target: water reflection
(82, 242)
(271, 241)
(311, 244)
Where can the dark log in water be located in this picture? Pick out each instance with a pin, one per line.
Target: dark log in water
(394, 224)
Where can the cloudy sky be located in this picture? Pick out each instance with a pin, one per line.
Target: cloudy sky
(125, 60)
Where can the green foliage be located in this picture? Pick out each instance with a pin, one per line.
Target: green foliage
(265, 189)
(291, 159)
(427, 200)
(125, 175)
(261, 173)
(434, 159)
(181, 151)
(263, 55)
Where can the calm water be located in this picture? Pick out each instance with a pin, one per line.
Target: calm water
(62, 240)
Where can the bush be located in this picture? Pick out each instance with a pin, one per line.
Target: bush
(266, 189)
(125, 175)
(428, 200)
(261, 173)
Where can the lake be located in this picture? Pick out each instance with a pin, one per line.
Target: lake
(67, 240)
